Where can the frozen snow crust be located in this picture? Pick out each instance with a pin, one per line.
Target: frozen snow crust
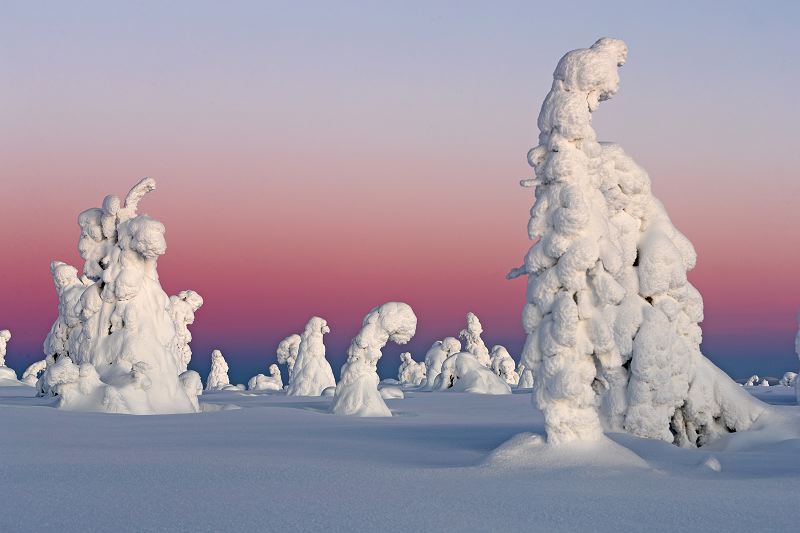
(612, 322)
(119, 342)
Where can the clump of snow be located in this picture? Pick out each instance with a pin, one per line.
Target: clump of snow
(410, 372)
(462, 372)
(436, 356)
(287, 353)
(503, 365)
(31, 374)
(312, 373)
(473, 343)
(183, 307)
(391, 392)
(788, 379)
(612, 322)
(271, 382)
(5, 372)
(115, 345)
(357, 392)
(713, 464)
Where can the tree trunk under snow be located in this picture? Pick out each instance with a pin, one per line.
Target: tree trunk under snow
(612, 322)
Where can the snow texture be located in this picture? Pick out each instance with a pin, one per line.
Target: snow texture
(410, 372)
(473, 343)
(271, 382)
(503, 365)
(612, 322)
(462, 372)
(312, 373)
(357, 392)
(115, 345)
(287, 353)
(435, 357)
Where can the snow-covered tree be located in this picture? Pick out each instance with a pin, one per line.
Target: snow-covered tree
(115, 337)
(410, 372)
(271, 382)
(797, 351)
(473, 343)
(612, 321)
(788, 379)
(525, 376)
(5, 372)
(312, 373)
(462, 372)
(193, 385)
(752, 381)
(764, 383)
(435, 356)
(357, 392)
(183, 307)
(218, 375)
(31, 374)
(503, 365)
(287, 353)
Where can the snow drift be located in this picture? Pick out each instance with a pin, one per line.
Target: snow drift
(612, 322)
(115, 345)
(312, 373)
(357, 392)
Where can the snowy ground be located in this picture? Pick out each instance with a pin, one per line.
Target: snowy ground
(266, 462)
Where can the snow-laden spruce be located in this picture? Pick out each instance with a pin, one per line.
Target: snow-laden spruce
(436, 356)
(5, 372)
(410, 372)
(218, 374)
(525, 376)
(473, 343)
(788, 379)
(612, 322)
(503, 365)
(183, 307)
(115, 345)
(32, 373)
(287, 353)
(357, 392)
(462, 372)
(752, 381)
(271, 382)
(312, 373)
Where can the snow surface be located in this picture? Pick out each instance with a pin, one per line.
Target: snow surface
(251, 458)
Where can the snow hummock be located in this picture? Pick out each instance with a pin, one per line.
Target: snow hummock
(410, 372)
(503, 365)
(115, 345)
(462, 372)
(473, 343)
(271, 382)
(612, 321)
(435, 357)
(357, 391)
(312, 373)
(287, 353)
(5, 372)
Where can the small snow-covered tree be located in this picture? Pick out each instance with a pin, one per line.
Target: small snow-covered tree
(788, 379)
(473, 343)
(312, 373)
(525, 376)
(31, 374)
(752, 381)
(287, 353)
(193, 385)
(218, 375)
(764, 383)
(357, 392)
(436, 356)
(797, 351)
(612, 321)
(462, 372)
(271, 382)
(115, 336)
(183, 307)
(503, 365)
(410, 372)
(5, 372)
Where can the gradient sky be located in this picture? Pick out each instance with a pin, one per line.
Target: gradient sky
(323, 158)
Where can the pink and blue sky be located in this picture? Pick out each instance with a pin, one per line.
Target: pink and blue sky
(325, 157)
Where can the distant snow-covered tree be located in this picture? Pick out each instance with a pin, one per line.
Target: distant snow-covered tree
(312, 373)
(218, 375)
(473, 343)
(410, 372)
(5, 372)
(287, 353)
(503, 365)
(462, 372)
(271, 382)
(436, 355)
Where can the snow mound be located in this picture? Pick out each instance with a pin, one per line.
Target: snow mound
(462, 372)
(612, 321)
(436, 356)
(271, 382)
(410, 372)
(357, 392)
(473, 343)
(312, 373)
(287, 352)
(503, 365)
(115, 345)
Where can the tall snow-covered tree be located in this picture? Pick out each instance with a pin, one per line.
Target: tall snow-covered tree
(312, 373)
(612, 321)
(473, 343)
(218, 375)
(287, 353)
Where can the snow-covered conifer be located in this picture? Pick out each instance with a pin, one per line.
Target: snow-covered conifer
(612, 321)
(525, 376)
(410, 372)
(183, 307)
(287, 353)
(788, 379)
(462, 372)
(752, 381)
(473, 343)
(31, 374)
(218, 375)
(435, 356)
(503, 365)
(312, 372)
(5, 372)
(357, 392)
(271, 382)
